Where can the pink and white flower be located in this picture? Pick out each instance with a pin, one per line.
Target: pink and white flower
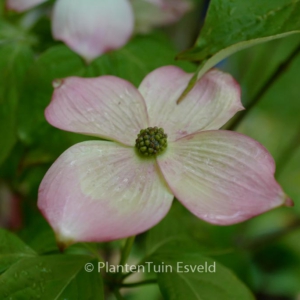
(90, 27)
(100, 190)
(22, 5)
(155, 13)
(93, 27)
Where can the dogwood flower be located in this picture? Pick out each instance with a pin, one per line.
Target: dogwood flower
(22, 5)
(93, 27)
(105, 190)
(154, 13)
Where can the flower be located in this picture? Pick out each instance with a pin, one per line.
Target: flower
(104, 190)
(155, 13)
(90, 27)
(93, 27)
(22, 5)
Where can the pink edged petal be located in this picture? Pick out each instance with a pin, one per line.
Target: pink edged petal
(22, 5)
(209, 105)
(92, 27)
(155, 13)
(222, 177)
(107, 106)
(102, 191)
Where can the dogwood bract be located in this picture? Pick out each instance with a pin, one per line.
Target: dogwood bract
(89, 27)
(105, 190)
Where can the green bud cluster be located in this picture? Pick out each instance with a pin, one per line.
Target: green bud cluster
(151, 141)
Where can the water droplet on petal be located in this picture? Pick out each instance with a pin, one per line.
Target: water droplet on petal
(57, 83)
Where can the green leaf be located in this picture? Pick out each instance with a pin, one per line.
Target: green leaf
(12, 249)
(57, 62)
(234, 25)
(51, 277)
(172, 231)
(138, 58)
(210, 282)
(85, 286)
(182, 230)
(45, 141)
(258, 70)
(15, 58)
(38, 234)
(8, 135)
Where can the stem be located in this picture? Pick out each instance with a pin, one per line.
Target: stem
(267, 239)
(141, 262)
(126, 250)
(191, 83)
(136, 284)
(94, 252)
(118, 294)
(279, 71)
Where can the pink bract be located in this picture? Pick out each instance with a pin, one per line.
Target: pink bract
(92, 27)
(101, 191)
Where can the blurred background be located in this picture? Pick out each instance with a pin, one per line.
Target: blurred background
(263, 252)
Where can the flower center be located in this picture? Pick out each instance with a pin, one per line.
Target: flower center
(151, 141)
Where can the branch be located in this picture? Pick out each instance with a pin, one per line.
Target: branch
(136, 284)
(279, 71)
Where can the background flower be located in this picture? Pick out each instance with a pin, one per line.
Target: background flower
(93, 27)
(22, 5)
(154, 13)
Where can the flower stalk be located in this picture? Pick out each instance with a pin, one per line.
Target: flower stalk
(126, 250)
